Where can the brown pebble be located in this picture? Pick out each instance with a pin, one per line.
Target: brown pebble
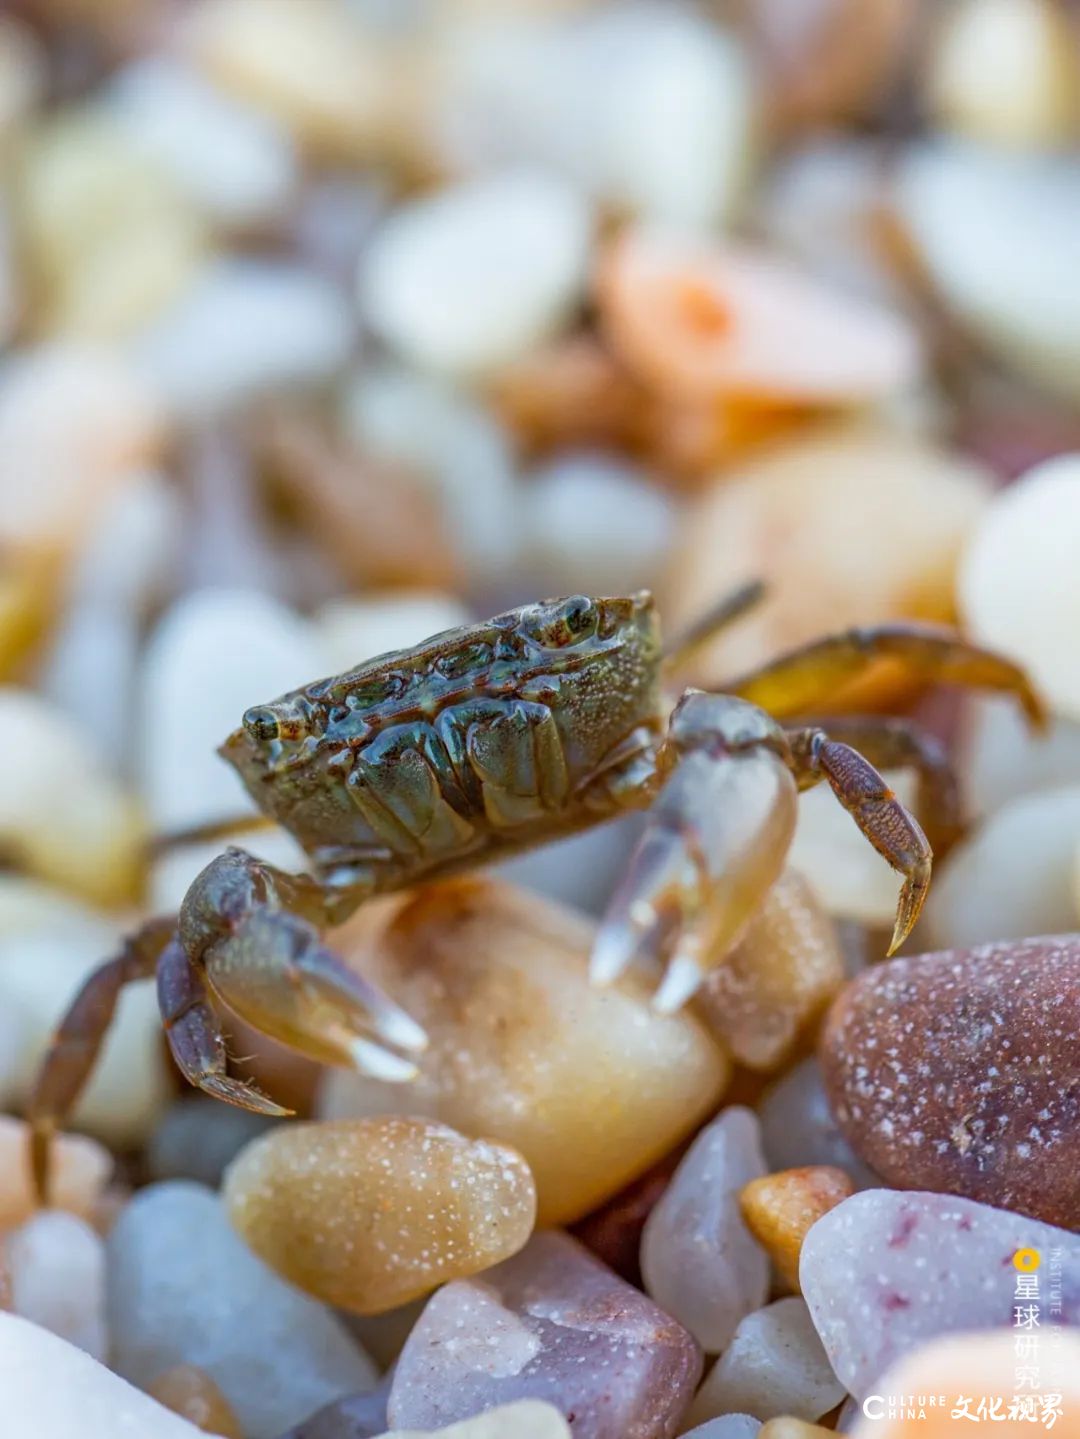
(780, 1208)
(193, 1395)
(959, 1072)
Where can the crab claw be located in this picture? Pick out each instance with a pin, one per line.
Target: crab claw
(715, 842)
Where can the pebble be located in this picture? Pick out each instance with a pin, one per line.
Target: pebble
(700, 1262)
(728, 322)
(997, 233)
(798, 1128)
(778, 979)
(591, 1086)
(959, 1072)
(112, 238)
(919, 504)
(232, 648)
(727, 1426)
(1006, 72)
(528, 1420)
(1012, 876)
(593, 523)
(197, 1137)
(23, 75)
(355, 629)
(183, 1288)
(1014, 589)
(580, 871)
(976, 1366)
(52, 1390)
(243, 328)
(452, 443)
(550, 1324)
(236, 163)
(193, 1395)
(774, 1365)
(780, 1208)
(432, 1206)
(940, 1265)
(789, 1428)
(613, 1232)
(76, 422)
(80, 1171)
(1000, 759)
(56, 1264)
(469, 279)
(357, 1416)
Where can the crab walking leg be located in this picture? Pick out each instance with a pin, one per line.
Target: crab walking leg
(890, 742)
(76, 1043)
(729, 608)
(806, 679)
(714, 843)
(893, 832)
(254, 932)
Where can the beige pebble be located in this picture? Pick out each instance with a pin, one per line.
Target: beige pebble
(191, 1393)
(591, 1086)
(110, 235)
(86, 838)
(57, 1269)
(778, 979)
(780, 1208)
(855, 525)
(81, 1168)
(528, 1419)
(1016, 585)
(1006, 72)
(429, 1204)
(787, 1427)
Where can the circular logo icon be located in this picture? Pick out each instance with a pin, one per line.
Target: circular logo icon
(1027, 1259)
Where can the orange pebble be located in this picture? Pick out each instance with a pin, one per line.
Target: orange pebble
(710, 321)
(780, 1208)
(79, 1172)
(963, 1372)
(193, 1395)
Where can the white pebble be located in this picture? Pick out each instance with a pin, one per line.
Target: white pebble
(1016, 585)
(998, 233)
(173, 871)
(452, 443)
(472, 277)
(1012, 877)
(52, 1390)
(354, 630)
(237, 163)
(699, 1260)
(185, 1289)
(774, 1365)
(57, 1267)
(1000, 758)
(215, 653)
(594, 524)
(241, 328)
(728, 1426)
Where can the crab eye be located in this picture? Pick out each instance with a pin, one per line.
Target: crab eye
(579, 616)
(262, 724)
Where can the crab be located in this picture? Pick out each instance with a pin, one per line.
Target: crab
(492, 738)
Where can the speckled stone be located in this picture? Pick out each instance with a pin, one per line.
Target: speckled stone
(553, 1324)
(960, 1072)
(885, 1271)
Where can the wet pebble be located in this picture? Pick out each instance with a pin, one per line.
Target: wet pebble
(52, 1390)
(699, 1260)
(798, 1127)
(591, 1086)
(551, 1324)
(774, 1365)
(959, 1072)
(940, 1265)
(56, 1264)
(470, 278)
(432, 1205)
(183, 1288)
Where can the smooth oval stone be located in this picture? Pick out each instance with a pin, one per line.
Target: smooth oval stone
(552, 1324)
(527, 1420)
(429, 1204)
(592, 1086)
(884, 1271)
(56, 1264)
(699, 1260)
(191, 1393)
(52, 1390)
(183, 1288)
(960, 1072)
(774, 1365)
(780, 1209)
